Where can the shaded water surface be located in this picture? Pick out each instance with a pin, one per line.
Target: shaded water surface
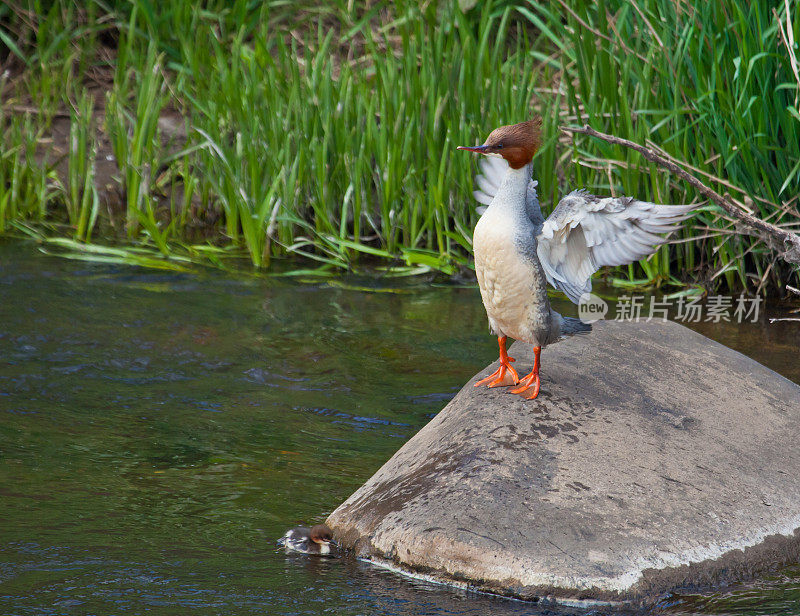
(159, 431)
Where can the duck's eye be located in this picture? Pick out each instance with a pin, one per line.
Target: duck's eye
(499, 146)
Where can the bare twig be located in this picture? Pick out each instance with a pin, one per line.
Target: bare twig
(660, 151)
(21, 109)
(790, 241)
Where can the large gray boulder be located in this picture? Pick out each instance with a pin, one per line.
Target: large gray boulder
(653, 459)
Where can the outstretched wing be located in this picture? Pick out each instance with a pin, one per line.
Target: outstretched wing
(585, 232)
(493, 169)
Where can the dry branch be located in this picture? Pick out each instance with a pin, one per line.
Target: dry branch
(767, 231)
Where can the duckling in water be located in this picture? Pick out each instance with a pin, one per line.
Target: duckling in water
(316, 540)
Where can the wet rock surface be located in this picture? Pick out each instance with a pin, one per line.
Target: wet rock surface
(653, 459)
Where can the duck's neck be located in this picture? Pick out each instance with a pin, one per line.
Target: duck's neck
(512, 192)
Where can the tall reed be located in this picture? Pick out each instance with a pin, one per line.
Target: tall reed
(329, 132)
(81, 194)
(711, 84)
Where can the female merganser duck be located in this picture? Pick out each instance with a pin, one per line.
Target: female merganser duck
(315, 540)
(518, 251)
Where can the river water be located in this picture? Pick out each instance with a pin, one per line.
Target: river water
(159, 431)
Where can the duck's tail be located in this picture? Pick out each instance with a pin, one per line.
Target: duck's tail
(571, 326)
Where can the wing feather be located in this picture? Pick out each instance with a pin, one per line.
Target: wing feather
(493, 170)
(482, 197)
(489, 179)
(485, 185)
(585, 232)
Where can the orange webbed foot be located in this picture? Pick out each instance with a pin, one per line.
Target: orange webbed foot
(530, 384)
(505, 374)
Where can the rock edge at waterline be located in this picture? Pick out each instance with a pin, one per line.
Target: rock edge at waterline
(653, 459)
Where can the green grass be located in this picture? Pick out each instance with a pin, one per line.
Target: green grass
(26, 188)
(708, 82)
(329, 133)
(80, 194)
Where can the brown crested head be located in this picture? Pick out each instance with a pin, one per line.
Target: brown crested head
(321, 534)
(517, 143)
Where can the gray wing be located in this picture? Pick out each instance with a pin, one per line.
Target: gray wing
(493, 169)
(585, 232)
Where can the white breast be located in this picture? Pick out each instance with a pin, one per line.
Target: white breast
(505, 277)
